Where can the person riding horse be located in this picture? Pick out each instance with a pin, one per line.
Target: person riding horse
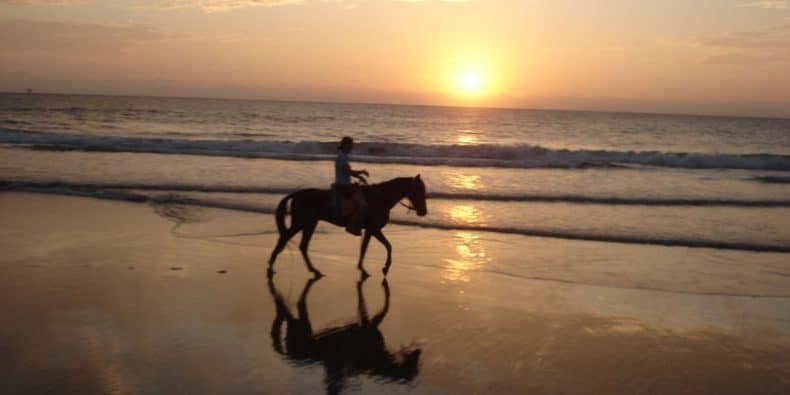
(308, 206)
(344, 188)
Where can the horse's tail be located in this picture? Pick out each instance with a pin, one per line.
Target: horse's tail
(279, 215)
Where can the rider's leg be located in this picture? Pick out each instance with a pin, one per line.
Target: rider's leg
(361, 208)
(356, 218)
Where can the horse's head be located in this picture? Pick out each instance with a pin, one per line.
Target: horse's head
(417, 196)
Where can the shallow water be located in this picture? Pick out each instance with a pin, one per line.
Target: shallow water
(689, 181)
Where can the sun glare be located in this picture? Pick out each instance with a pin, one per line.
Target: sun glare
(472, 76)
(470, 81)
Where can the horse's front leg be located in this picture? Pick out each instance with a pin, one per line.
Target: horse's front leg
(307, 233)
(380, 237)
(362, 250)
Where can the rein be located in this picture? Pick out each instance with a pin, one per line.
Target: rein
(410, 207)
(393, 187)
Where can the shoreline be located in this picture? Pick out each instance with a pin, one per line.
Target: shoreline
(167, 196)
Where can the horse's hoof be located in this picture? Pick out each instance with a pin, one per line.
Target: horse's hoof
(385, 270)
(269, 272)
(317, 274)
(363, 274)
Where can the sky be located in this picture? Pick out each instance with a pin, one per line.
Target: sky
(675, 56)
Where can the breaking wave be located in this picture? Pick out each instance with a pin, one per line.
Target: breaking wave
(484, 155)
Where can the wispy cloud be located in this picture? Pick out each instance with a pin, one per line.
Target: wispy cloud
(72, 39)
(423, 1)
(43, 2)
(771, 37)
(775, 5)
(742, 58)
(767, 45)
(212, 6)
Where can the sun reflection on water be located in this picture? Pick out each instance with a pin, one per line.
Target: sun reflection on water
(467, 138)
(471, 256)
(466, 182)
(466, 214)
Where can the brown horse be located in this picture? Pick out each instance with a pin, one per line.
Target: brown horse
(344, 351)
(308, 206)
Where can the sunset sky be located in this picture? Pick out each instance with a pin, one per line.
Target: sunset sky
(701, 56)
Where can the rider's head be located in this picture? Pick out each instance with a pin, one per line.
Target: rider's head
(346, 144)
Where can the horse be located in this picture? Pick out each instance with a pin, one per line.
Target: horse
(308, 206)
(344, 351)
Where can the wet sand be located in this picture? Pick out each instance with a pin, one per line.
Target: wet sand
(116, 297)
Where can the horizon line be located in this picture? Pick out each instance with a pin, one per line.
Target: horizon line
(32, 92)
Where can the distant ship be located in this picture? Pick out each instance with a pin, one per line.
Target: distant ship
(29, 91)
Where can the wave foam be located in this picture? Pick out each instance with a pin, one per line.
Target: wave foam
(264, 209)
(517, 156)
(578, 199)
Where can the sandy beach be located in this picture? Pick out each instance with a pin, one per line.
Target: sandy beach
(118, 297)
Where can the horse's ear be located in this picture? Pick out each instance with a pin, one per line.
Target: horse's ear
(418, 177)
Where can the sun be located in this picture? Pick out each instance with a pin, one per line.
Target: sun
(471, 77)
(470, 81)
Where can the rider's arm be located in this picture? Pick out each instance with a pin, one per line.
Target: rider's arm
(356, 173)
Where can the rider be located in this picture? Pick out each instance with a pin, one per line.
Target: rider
(343, 174)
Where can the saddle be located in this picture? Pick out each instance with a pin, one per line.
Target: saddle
(342, 204)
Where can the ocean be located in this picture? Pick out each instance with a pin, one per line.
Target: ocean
(674, 180)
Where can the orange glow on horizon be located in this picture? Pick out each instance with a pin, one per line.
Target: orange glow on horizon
(453, 53)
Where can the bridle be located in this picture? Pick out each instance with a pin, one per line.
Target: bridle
(408, 206)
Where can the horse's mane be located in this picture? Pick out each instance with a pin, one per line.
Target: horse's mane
(386, 183)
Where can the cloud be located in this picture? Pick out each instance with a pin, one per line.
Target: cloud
(43, 2)
(771, 37)
(59, 38)
(423, 1)
(767, 45)
(741, 58)
(774, 5)
(212, 6)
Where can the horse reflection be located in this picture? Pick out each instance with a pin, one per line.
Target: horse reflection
(345, 351)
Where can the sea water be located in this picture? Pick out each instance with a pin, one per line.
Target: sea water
(675, 180)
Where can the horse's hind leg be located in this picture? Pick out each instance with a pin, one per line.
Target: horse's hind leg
(281, 242)
(307, 233)
(362, 249)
